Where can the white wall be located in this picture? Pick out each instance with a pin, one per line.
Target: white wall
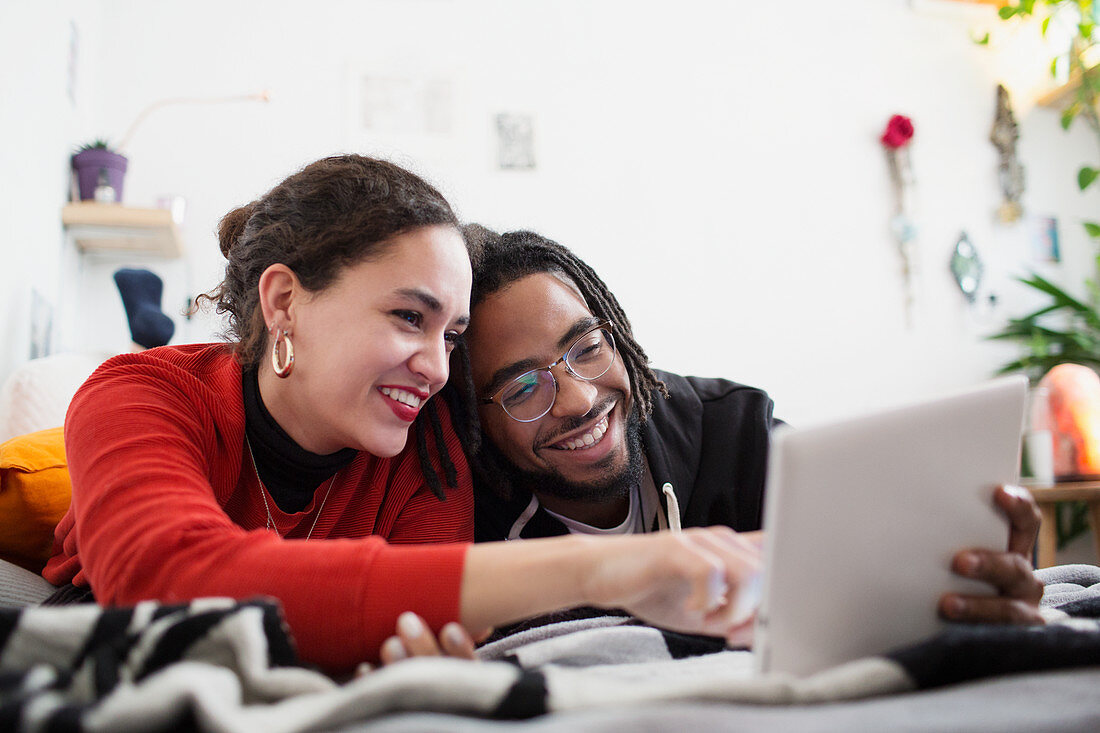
(717, 163)
(45, 110)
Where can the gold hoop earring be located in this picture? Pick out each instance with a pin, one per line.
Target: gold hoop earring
(283, 369)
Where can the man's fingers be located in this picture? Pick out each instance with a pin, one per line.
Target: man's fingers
(1009, 573)
(1019, 591)
(1023, 517)
(989, 609)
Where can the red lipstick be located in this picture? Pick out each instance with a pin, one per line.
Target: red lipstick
(392, 394)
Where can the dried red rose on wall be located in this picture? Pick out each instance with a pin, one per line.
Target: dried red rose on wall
(899, 130)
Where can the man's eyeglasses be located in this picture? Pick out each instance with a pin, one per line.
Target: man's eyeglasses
(531, 395)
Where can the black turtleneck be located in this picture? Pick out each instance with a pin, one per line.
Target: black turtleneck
(289, 472)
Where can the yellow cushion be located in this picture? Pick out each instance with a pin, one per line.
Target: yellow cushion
(35, 491)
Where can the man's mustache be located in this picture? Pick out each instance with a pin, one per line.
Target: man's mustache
(569, 424)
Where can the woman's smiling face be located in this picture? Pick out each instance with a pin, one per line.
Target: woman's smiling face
(371, 348)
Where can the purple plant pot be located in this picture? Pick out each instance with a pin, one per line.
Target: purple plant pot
(88, 163)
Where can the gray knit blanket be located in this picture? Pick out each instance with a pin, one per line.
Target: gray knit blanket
(222, 665)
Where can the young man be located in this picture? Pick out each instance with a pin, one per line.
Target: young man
(580, 435)
(600, 443)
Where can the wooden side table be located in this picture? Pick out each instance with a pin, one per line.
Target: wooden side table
(1047, 496)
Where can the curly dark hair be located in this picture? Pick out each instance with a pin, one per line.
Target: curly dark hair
(332, 214)
(501, 259)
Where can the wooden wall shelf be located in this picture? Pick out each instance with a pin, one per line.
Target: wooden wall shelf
(113, 228)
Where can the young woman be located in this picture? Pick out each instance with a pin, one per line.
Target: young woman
(210, 470)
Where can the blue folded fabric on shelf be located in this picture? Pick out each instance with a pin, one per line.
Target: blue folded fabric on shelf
(141, 292)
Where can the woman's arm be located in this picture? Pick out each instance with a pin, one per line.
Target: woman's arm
(685, 581)
(151, 449)
(667, 579)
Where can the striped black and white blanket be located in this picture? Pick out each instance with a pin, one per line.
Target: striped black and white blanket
(221, 665)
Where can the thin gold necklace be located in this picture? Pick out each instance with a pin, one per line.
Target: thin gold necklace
(263, 495)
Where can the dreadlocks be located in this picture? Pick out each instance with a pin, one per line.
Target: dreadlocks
(501, 259)
(459, 396)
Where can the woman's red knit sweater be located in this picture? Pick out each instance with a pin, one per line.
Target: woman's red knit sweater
(167, 507)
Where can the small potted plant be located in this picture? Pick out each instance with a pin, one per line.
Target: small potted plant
(98, 166)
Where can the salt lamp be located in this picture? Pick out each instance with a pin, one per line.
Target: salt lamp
(1074, 393)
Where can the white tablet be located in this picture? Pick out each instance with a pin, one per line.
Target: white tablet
(863, 516)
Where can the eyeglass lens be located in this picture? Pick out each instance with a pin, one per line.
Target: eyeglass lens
(532, 394)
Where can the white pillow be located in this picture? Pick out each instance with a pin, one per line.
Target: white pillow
(37, 394)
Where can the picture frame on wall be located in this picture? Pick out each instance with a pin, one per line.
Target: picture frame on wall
(1044, 242)
(515, 141)
(410, 115)
(41, 336)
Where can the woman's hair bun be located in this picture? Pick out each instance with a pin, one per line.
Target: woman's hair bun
(232, 225)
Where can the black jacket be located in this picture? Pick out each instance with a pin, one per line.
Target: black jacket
(709, 439)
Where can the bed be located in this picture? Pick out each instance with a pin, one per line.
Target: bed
(224, 665)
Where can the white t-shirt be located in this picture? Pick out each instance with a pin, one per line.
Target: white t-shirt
(645, 504)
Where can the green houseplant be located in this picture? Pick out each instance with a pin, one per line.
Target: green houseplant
(1081, 63)
(100, 160)
(1065, 328)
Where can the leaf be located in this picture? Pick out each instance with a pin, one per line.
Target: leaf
(1054, 66)
(1047, 334)
(1015, 366)
(1065, 329)
(1042, 284)
(1007, 12)
(1081, 341)
(1086, 176)
(1092, 228)
(1068, 114)
(1045, 25)
(1060, 296)
(1071, 521)
(1044, 311)
(983, 41)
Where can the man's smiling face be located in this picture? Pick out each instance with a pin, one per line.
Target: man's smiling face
(586, 447)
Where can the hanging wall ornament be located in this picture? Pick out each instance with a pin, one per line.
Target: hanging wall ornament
(967, 268)
(895, 141)
(1010, 173)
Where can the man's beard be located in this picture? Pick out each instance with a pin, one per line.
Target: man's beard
(609, 485)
